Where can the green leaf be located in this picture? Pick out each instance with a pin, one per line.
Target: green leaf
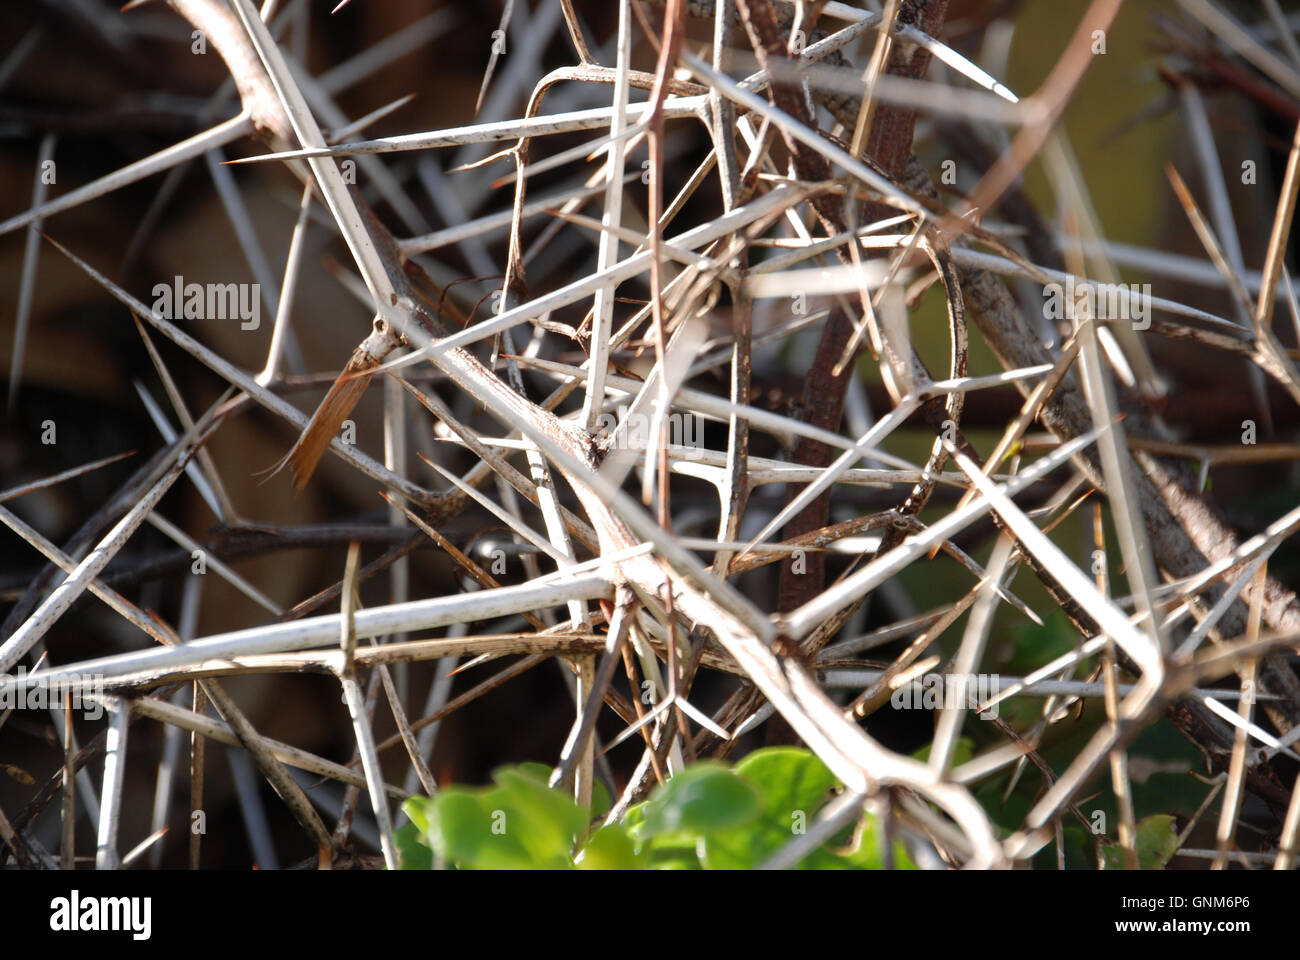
(601, 801)
(534, 771)
(469, 830)
(547, 822)
(634, 818)
(702, 799)
(869, 852)
(1156, 842)
(788, 779)
(962, 751)
(742, 849)
(673, 851)
(707, 816)
(1035, 645)
(419, 810)
(793, 784)
(412, 851)
(610, 848)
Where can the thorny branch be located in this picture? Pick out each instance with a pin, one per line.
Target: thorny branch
(660, 585)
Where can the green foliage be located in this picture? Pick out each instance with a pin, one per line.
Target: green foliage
(1034, 645)
(710, 816)
(412, 852)
(1156, 842)
(962, 751)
